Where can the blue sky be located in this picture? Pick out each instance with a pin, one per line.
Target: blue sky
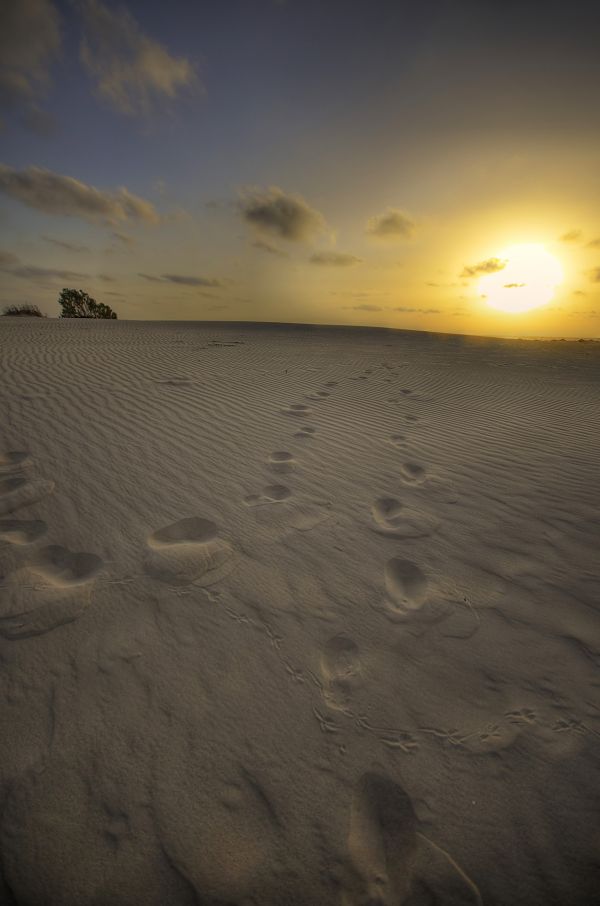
(405, 141)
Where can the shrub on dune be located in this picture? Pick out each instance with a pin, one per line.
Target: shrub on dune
(22, 311)
(75, 303)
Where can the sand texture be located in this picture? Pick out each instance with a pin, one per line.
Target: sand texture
(297, 616)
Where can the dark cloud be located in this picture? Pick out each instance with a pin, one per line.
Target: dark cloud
(514, 285)
(280, 214)
(105, 278)
(30, 40)
(66, 244)
(594, 274)
(571, 236)
(183, 280)
(366, 306)
(489, 266)
(271, 249)
(593, 244)
(392, 224)
(29, 272)
(132, 71)
(64, 196)
(334, 259)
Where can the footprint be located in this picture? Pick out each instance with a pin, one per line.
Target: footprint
(405, 391)
(413, 472)
(305, 431)
(59, 593)
(382, 843)
(16, 532)
(394, 518)
(411, 418)
(273, 493)
(406, 586)
(281, 461)
(297, 409)
(188, 551)
(391, 862)
(17, 491)
(398, 439)
(13, 460)
(341, 671)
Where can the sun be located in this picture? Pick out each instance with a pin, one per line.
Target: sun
(527, 280)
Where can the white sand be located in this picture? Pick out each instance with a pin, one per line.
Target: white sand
(297, 616)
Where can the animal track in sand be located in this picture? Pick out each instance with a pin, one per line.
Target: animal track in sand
(341, 671)
(273, 493)
(413, 472)
(296, 409)
(391, 862)
(60, 592)
(394, 518)
(17, 532)
(188, 551)
(16, 491)
(281, 461)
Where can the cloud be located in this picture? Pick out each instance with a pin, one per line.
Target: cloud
(489, 266)
(280, 214)
(571, 236)
(65, 244)
(271, 249)
(132, 71)
(579, 292)
(364, 307)
(29, 272)
(514, 285)
(421, 311)
(105, 278)
(64, 196)
(30, 40)
(182, 280)
(334, 259)
(128, 241)
(593, 244)
(594, 274)
(392, 224)
(7, 259)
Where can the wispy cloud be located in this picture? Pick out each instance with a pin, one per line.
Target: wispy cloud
(421, 311)
(66, 244)
(53, 193)
(489, 266)
(30, 40)
(265, 246)
(132, 71)
(334, 259)
(392, 224)
(366, 306)
(126, 240)
(9, 264)
(183, 280)
(593, 244)
(571, 236)
(280, 214)
(594, 274)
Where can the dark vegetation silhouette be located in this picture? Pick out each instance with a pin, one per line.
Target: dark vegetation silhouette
(23, 311)
(75, 303)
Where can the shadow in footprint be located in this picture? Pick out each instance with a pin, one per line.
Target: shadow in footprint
(17, 491)
(20, 532)
(273, 493)
(281, 461)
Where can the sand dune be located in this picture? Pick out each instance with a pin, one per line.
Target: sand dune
(297, 615)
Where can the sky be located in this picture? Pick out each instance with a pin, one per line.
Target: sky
(416, 165)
